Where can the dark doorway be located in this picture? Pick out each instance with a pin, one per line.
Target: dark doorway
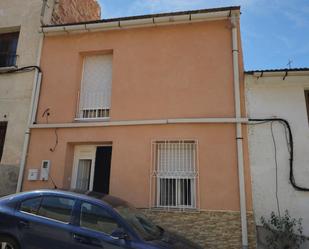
(102, 169)
(3, 126)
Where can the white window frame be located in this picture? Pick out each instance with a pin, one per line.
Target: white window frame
(80, 109)
(184, 173)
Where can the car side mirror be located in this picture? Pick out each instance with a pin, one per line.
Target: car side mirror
(119, 233)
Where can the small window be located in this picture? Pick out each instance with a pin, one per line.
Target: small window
(96, 218)
(307, 102)
(57, 208)
(31, 206)
(8, 46)
(3, 126)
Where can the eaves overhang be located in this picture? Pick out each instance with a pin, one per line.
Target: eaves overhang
(279, 72)
(142, 21)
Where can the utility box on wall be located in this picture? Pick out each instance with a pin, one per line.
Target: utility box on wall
(45, 167)
(33, 174)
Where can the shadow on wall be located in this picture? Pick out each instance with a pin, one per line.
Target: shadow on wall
(261, 234)
(8, 176)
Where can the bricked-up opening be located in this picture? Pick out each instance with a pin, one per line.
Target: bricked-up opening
(307, 102)
(8, 47)
(174, 178)
(3, 126)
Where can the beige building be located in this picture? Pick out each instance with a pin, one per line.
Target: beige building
(20, 45)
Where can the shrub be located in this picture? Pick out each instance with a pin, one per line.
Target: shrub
(284, 232)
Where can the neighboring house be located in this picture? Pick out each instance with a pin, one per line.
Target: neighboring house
(20, 44)
(148, 108)
(280, 93)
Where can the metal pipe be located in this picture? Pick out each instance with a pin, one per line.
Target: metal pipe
(142, 122)
(27, 136)
(31, 117)
(239, 138)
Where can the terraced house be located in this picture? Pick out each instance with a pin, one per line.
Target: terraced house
(149, 108)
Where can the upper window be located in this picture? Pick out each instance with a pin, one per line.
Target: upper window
(175, 174)
(8, 46)
(3, 126)
(31, 206)
(56, 208)
(95, 95)
(96, 218)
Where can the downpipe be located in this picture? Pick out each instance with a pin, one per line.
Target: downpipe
(239, 138)
(31, 117)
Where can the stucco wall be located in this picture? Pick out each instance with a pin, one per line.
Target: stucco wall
(161, 72)
(131, 160)
(274, 97)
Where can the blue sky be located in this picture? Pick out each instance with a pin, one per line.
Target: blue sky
(273, 31)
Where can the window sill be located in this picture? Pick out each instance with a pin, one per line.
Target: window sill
(3, 69)
(175, 209)
(92, 119)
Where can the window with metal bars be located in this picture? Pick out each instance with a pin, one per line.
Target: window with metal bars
(174, 178)
(8, 47)
(3, 126)
(95, 95)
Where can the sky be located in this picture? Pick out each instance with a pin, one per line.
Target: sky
(274, 32)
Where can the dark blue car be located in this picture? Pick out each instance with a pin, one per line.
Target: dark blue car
(52, 219)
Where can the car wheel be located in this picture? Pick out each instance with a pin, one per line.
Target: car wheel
(8, 243)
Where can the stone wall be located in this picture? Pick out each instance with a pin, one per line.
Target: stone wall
(72, 11)
(210, 229)
(8, 176)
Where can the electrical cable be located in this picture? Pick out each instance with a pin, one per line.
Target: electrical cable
(22, 70)
(46, 114)
(56, 143)
(52, 180)
(276, 165)
(289, 138)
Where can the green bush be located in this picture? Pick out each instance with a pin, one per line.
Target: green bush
(284, 232)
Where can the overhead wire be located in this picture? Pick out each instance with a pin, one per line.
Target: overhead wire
(21, 70)
(289, 140)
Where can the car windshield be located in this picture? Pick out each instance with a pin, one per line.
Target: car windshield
(139, 222)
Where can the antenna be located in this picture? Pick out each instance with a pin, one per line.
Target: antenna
(289, 63)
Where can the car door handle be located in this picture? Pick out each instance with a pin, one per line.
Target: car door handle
(24, 224)
(87, 240)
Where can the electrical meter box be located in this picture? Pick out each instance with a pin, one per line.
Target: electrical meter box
(33, 174)
(45, 170)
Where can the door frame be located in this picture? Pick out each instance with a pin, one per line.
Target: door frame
(87, 152)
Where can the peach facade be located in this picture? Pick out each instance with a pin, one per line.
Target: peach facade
(173, 71)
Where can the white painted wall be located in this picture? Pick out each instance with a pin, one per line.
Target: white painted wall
(16, 89)
(268, 97)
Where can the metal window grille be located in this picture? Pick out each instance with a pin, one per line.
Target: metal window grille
(95, 96)
(174, 177)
